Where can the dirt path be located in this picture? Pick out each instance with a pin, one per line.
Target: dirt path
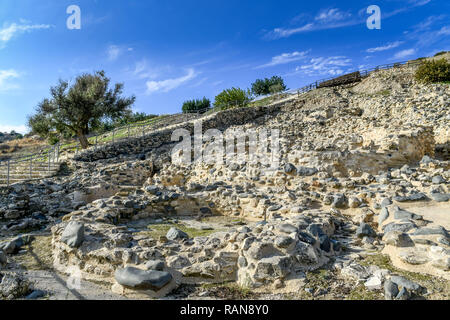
(56, 286)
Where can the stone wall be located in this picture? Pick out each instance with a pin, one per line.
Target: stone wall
(221, 120)
(380, 150)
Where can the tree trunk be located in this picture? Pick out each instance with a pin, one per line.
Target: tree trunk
(83, 140)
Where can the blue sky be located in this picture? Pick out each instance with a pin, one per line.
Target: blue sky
(166, 52)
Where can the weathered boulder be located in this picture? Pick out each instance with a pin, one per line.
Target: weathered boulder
(339, 201)
(384, 214)
(157, 265)
(14, 246)
(365, 230)
(438, 179)
(398, 239)
(142, 280)
(13, 286)
(273, 268)
(176, 234)
(305, 171)
(36, 294)
(412, 197)
(374, 283)
(3, 258)
(440, 197)
(390, 290)
(399, 226)
(73, 234)
(402, 282)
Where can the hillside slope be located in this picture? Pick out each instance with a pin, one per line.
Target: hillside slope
(356, 209)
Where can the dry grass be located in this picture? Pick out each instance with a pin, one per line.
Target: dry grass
(158, 230)
(38, 255)
(21, 146)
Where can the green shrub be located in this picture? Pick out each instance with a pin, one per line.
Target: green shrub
(234, 97)
(276, 88)
(133, 118)
(197, 105)
(53, 138)
(441, 53)
(105, 127)
(268, 86)
(130, 118)
(433, 71)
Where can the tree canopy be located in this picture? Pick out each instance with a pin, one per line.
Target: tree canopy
(80, 108)
(197, 105)
(232, 97)
(268, 86)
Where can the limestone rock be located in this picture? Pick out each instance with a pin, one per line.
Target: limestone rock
(13, 286)
(390, 290)
(142, 280)
(398, 239)
(73, 234)
(365, 230)
(176, 234)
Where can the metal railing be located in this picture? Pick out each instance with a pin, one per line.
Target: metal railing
(363, 74)
(31, 167)
(51, 155)
(135, 130)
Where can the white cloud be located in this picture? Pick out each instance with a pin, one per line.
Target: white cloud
(444, 31)
(429, 31)
(285, 33)
(427, 23)
(331, 65)
(113, 52)
(8, 32)
(388, 46)
(199, 83)
(20, 129)
(324, 20)
(330, 15)
(170, 84)
(419, 3)
(5, 76)
(404, 53)
(334, 18)
(285, 58)
(411, 5)
(217, 83)
(143, 70)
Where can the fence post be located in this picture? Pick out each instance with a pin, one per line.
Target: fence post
(31, 167)
(7, 175)
(143, 130)
(49, 154)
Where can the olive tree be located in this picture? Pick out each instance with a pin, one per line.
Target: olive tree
(268, 86)
(81, 107)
